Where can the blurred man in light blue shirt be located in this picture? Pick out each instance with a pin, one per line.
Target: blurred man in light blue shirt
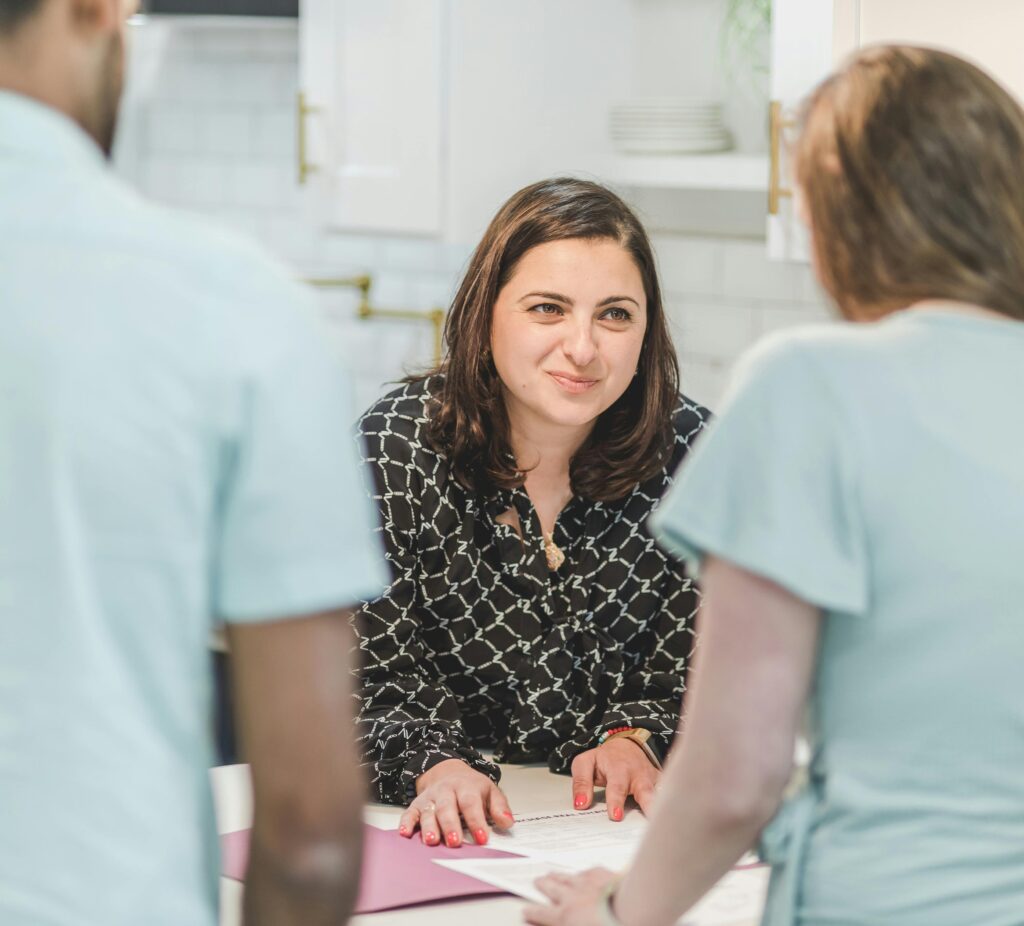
(174, 448)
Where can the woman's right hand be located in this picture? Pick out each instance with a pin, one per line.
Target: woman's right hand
(449, 793)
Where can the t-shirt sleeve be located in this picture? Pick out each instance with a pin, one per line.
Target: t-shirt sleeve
(772, 485)
(296, 524)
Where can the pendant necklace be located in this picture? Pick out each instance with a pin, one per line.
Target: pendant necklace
(552, 552)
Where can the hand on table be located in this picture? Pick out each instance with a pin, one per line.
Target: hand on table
(622, 768)
(576, 900)
(449, 793)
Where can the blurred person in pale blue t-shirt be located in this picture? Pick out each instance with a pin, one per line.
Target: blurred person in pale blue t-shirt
(173, 449)
(856, 513)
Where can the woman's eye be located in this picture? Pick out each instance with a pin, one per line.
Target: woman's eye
(617, 314)
(547, 308)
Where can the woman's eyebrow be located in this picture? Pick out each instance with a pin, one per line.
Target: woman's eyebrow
(558, 297)
(612, 299)
(554, 297)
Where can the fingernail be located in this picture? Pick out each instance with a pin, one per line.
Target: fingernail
(579, 802)
(403, 830)
(617, 813)
(508, 813)
(431, 838)
(453, 838)
(480, 836)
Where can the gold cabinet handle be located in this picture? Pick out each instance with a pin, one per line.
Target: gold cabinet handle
(304, 166)
(775, 188)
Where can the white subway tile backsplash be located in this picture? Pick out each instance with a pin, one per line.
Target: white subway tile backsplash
(712, 329)
(286, 78)
(171, 129)
(454, 258)
(294, 240)
(162, 178)
(259, 185)
(688, 265)
(703, 379)
(392, 290)
(352, 253)
(747, 273)
(412, 254)
(203, 182)
(811, 290)
(273, 134)
(225, 131)
(207, 82)
(234, 43)
(277, 42)
(431, 291)
(263, 86)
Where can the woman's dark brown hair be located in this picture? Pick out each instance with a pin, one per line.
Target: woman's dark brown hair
(632, 439)
(912, 165)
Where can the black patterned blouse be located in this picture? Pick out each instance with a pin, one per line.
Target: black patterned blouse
(477, 644)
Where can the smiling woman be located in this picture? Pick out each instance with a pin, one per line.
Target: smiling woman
(530, 612)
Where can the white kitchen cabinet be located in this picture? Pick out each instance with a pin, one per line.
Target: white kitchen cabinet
(810, 37)
(426, 114)
(371, 111)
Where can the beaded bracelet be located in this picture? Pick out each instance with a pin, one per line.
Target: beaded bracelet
(609, 733)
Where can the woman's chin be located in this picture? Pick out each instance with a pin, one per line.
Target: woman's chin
(571, 413)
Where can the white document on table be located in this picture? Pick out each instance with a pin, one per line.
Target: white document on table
(575, 840)
(515, 875)
(578, 840)
(736, 900)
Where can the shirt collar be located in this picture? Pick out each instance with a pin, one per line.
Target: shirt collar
(35, 130)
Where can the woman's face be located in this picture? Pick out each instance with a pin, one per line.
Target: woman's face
(567, 331)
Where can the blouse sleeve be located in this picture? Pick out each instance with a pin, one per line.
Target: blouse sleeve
(772, 485)
(407, 721)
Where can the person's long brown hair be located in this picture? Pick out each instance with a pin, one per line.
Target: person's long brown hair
(468, 423)
(911, 162)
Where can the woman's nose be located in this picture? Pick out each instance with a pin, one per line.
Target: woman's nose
(579, 346)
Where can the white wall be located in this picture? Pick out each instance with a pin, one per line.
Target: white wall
(210, 127)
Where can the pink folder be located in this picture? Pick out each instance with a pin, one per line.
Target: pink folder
(397, 872)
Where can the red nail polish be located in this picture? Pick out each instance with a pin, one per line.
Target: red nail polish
(430, 838)
(480, 836)
(403, 830)
(579, 802)
(508, 813)
(453, 838)
(617, 814)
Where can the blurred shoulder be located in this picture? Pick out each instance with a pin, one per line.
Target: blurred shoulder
(810, 349)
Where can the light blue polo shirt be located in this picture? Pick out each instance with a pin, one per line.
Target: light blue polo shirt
(877, 472)
(174, 445)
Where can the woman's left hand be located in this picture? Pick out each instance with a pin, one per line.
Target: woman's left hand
(621, 767)
(576, 900)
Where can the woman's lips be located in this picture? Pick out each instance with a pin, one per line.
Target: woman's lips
(574, 385)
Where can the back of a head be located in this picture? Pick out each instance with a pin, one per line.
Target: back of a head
(909, 162)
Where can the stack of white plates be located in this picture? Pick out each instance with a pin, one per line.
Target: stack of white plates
(669, 125)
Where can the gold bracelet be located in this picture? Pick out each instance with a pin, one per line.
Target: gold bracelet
(640, 736)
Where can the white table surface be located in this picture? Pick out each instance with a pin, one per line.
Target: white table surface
(530, 789)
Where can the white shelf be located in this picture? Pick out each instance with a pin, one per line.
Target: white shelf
(727, 171)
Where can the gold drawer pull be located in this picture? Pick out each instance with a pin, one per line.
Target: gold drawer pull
(775, 188)
(304, 110)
